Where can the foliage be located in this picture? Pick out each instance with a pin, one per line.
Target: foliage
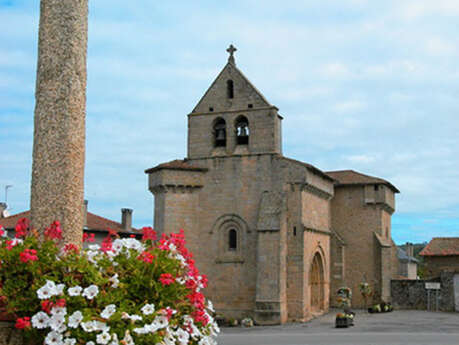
(344, 297)
(124, 291)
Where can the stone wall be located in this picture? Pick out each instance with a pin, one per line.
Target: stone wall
(9, 335)
(412, 294)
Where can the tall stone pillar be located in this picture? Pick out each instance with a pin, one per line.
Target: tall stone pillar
(60, 110)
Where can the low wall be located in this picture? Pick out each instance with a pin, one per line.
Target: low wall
(412, 294)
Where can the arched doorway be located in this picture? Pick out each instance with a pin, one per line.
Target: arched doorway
(316, 283)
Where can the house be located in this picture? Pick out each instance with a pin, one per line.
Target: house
(441, 254)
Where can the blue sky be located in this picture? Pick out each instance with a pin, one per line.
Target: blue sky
(366, 85)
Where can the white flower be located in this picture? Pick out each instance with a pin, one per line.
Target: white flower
(91, 291)
(92, 256)
(128, 339)
(60, 289)
(117, 246)
(114, 280)
(142, 330)
(210, 306)
(90, 343)
(59, 311)
(75, 291)
(75, 319)
(56, 322)
(40, 320)
(114, 339)
(69, 341)
(108, 311)
(135, 318)
(46, 291)
(53, 338)
(148, 309)
(103, 338)
(160, 322)
(88, 326)
(94, 247)
(4, 233)
(132, 243)
(180, 280)
(100, 326)
(182, 336)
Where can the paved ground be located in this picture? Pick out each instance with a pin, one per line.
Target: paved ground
(399, 327)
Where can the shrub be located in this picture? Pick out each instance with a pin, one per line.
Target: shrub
(123, 291)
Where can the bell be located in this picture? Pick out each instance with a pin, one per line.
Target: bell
(220, 134)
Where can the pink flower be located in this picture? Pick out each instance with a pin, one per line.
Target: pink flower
(166, 279)
(46, 306)
(22, 323)
(28, 255)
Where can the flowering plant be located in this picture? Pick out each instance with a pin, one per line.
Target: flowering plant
(124, 291)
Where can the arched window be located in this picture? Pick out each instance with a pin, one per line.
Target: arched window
(220, 133)
(230, 89)
(232, 239)
(242, 130)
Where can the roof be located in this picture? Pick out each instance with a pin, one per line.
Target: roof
(310, 167)
(178, 164)
(93, 222)
(403, 256)
(351, 177)
(441, 246)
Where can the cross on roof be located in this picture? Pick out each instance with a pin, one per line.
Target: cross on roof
(231, 49)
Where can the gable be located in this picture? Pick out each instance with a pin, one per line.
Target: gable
(216, 98)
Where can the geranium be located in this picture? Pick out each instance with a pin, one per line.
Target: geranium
(146, 257)
(89, 238)
(28, 255)
(54, 232)
(71, 248)
(148, 234)
(166, 279)
(22, 227)
(22, 323)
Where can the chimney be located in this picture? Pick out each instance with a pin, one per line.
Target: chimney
(85, 213)
(409, 249)
(3, 207)
(126, 219)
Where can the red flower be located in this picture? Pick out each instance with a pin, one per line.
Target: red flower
(21, 227)
(106, 244)
(54, 231)
(166, 279)
(146, 257)
(148, 234)
(60, 303)
(200, 316)
(46, 306)
(22, 323)
(88, 238)
(70, 247)
(28, 255)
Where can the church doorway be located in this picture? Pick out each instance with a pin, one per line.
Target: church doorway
(316, 284)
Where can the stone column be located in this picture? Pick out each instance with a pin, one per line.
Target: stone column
(60, 110)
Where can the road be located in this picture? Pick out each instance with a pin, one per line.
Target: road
(398, 327)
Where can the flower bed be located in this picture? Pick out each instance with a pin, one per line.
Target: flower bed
(124, 291)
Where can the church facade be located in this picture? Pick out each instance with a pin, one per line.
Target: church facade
(277, 237)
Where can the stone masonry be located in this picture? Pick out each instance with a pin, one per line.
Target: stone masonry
(260, 225)
(59, 128)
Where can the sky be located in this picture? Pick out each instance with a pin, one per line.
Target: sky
(366, 85)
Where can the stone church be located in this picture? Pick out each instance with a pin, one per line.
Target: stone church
(277, 237)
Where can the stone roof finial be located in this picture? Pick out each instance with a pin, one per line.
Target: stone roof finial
(231, 49)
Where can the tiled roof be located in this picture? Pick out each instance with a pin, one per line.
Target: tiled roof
(351, 177)
(441, 246)
(178, 164)
(94, 222)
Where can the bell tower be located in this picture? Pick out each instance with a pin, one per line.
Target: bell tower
(233, 118)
